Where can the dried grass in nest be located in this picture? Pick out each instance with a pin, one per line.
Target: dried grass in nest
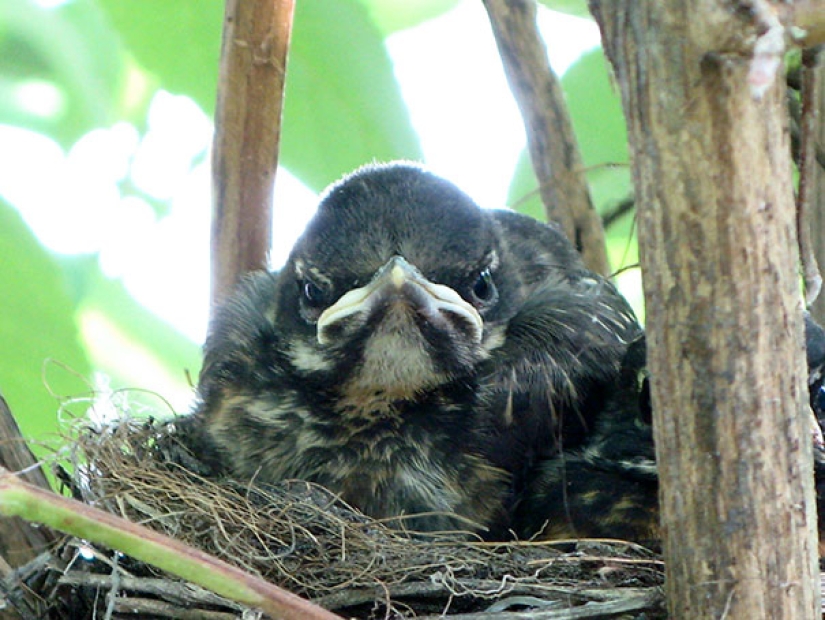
(304, 539)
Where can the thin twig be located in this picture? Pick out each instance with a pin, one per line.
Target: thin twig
(178, 591)
(141, 607)
(615, 213)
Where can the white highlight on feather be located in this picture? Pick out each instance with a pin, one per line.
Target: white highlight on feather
(395, 362)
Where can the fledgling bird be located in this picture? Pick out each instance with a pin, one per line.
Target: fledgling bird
(609, 488)
(416, 354)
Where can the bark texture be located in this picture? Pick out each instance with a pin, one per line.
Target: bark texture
(554, 151)
(718, 248)
(256, 37)
(816, 208)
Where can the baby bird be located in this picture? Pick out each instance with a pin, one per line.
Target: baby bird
(417, 355)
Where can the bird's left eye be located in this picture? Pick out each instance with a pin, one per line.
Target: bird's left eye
(313, 299)
(484, 289)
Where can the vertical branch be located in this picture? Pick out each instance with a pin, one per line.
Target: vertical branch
(247, 132)
(816, 207)
(553, 148)
(807, 173)
(707, 122)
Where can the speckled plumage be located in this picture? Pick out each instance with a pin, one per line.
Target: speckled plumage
(609, 487)
(416, 354)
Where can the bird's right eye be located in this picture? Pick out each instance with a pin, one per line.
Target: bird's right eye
(313, 295)
(484, 290)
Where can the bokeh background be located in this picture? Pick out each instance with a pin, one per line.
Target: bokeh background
(105, 131)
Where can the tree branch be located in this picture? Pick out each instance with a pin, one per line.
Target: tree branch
(247, 133)
(554, 151)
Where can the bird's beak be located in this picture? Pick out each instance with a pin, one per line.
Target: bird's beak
(398, 280)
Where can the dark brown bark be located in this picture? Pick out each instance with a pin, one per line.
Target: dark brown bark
(247, 133)
(719, 258)
(554, 151)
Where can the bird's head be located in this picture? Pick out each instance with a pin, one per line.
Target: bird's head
(397, 284)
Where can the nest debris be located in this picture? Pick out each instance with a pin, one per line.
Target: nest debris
(306, 540)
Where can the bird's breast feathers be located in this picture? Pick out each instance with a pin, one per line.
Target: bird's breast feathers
(375, 461)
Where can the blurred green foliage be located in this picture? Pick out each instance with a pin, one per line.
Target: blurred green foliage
(103, 60)
(43, 359)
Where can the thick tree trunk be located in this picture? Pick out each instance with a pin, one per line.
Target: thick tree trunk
(719, 258)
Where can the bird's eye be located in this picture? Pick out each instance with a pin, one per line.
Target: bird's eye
(314, 296)
(484, 289)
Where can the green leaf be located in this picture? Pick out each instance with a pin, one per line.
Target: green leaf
(394, 15)
(598, 120)
(36, 326)
(343, 106)
(596, 109)
(68, 56)
(523, 195)
(179, 41)
(571, 7)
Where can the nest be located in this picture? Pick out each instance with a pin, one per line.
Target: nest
(304, 539)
